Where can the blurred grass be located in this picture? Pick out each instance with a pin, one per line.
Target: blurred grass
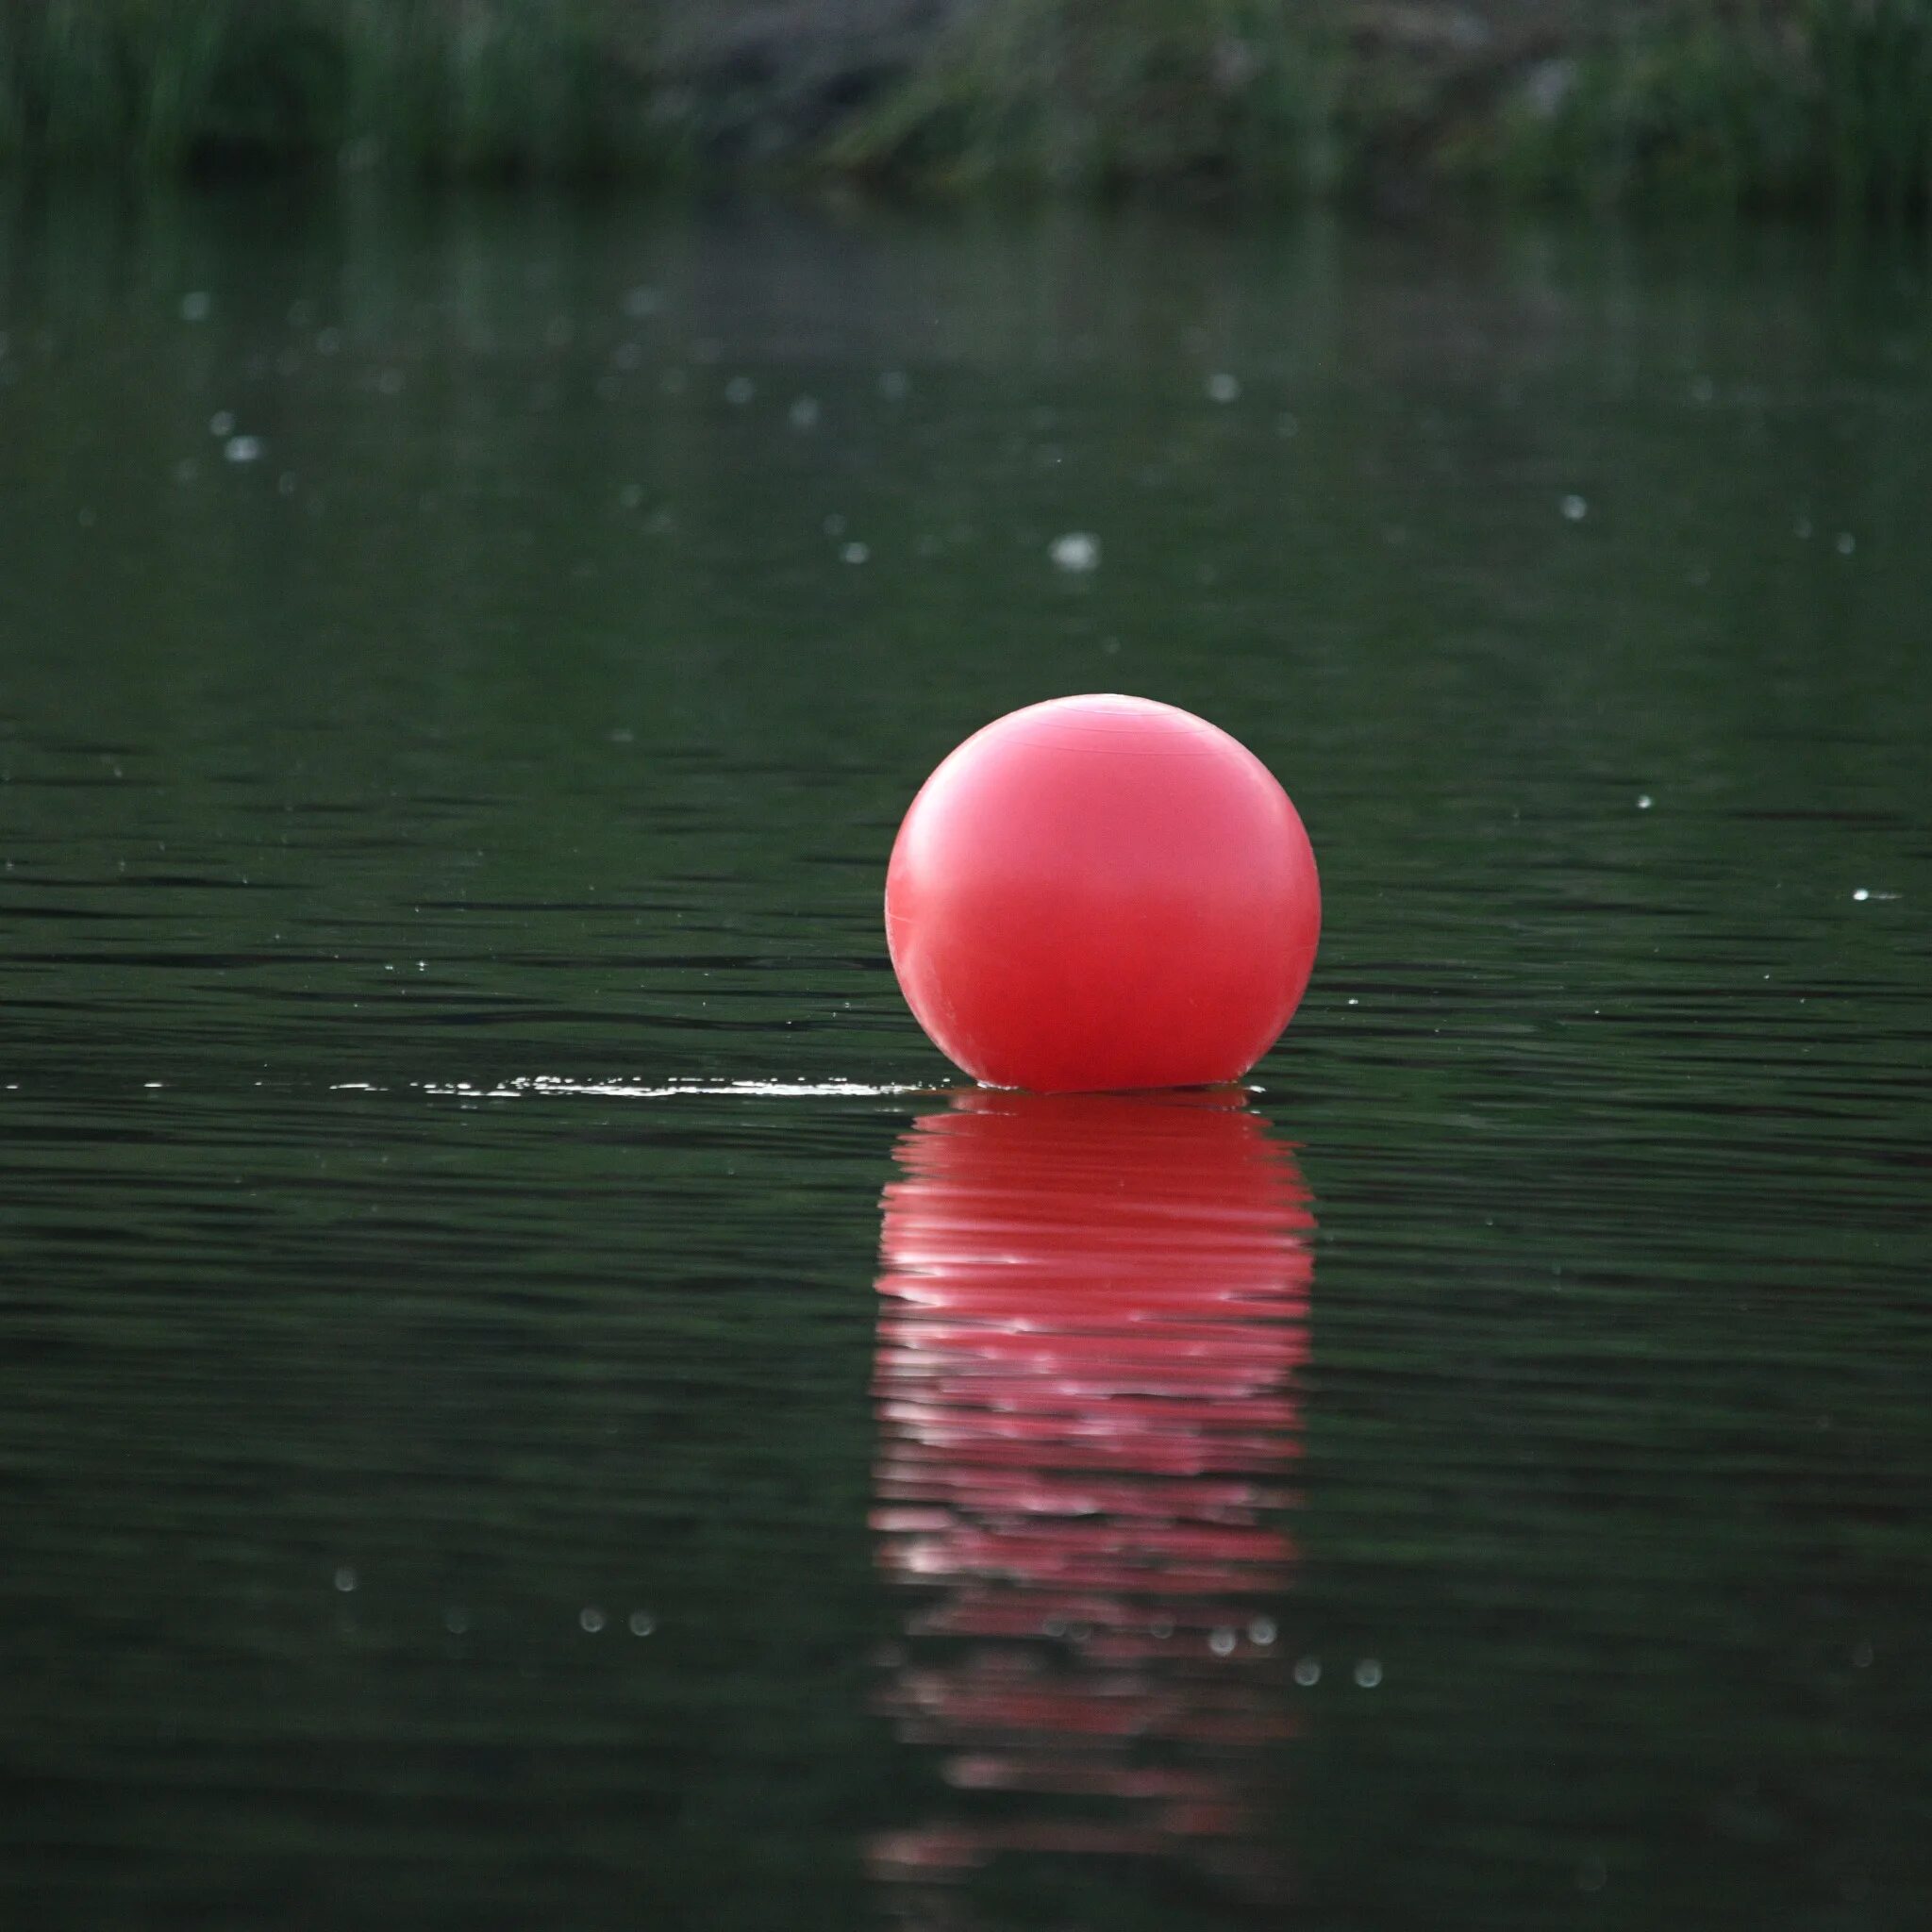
(1785, 104)
(1812, 104)
(439, 87)
(1100, 95)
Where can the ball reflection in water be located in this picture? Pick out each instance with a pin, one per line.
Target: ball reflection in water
(1091, 1311)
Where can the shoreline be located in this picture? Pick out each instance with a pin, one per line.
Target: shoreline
(1792, 106)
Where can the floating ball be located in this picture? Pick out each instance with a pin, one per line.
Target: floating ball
(1101, 893)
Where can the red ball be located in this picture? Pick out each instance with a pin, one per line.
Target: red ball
(1103, 893)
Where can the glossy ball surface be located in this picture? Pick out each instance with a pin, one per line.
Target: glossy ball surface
(1103, 893)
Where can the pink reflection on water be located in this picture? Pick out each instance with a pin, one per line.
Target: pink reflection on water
(1091, 1308)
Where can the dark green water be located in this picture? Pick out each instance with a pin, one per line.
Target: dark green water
(471, 1452)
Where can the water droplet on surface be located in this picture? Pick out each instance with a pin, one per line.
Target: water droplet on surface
(804, 413)
(740, 390)
(221, 422)
(1221, 1643)
(1644, 801)
(1368, 1674)
(591, 1620)
(1863, 893)
(1078, 551)
(345, 1578)
(1846, 542)
(1574, 508)
(196, 306)
(1307, 1670)
(1223, 388)
(856, 553)
(641, 1622)
(1262, 1631)
(243, 449)
(456, 1622)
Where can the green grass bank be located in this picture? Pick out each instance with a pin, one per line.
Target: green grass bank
(1788, 105)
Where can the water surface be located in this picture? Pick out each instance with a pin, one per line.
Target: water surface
(531, 1398)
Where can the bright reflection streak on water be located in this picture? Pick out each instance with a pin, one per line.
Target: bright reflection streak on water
(549, 1084)
(1091, 1311)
